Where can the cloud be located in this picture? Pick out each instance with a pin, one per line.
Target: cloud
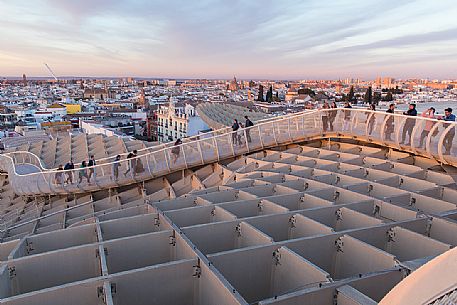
(221, 38)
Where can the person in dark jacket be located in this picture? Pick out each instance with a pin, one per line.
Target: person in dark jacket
(390, 123)
(235, 127)
(449, 137)
(91, 169)
(69, 167)
(409, 124)
(248, 124)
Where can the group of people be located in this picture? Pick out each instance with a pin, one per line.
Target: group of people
(236, 136)
(428, 126)
(87, 171)
(328, 119)
(64, 174)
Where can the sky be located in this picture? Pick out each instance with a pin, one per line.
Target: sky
(252, 39)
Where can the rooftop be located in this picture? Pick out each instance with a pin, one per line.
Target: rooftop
(297, 215)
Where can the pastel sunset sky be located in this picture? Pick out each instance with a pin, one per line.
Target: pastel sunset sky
(284, 39)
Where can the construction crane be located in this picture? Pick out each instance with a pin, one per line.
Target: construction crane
(50, 70)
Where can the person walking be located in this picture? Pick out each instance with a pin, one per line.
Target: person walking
(69, 167)
(59, 176)
(83, 172)
(132, 162)
(248, 124)
(371, 119)
(429, 114)
(176, 150)
(449, 137)
(235, 127)
(409, 124)
(116, 165)
(324, 115)
(332, 115)
(389, 129)
(91, 168)
(239, 134)
(347, 116)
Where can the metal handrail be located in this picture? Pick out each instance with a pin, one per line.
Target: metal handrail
(153, 148)
(276, 125)
(225, 131)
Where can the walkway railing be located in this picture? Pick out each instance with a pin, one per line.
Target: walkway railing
(428, 137)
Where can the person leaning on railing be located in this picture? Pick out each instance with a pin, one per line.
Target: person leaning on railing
(409, 124)
(332, 115)
(430, 114)
(389, 129)
(371, 118)
(235, 127)
(324, 115)
(449, 137)
(347, 116)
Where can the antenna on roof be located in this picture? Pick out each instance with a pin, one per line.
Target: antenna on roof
(50, 70)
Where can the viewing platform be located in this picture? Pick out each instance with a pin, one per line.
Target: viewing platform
(29, 176)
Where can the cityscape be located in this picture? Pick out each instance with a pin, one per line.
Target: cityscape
(214, 153)
(141, 108)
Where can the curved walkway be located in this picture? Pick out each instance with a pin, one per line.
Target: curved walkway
(391, 130)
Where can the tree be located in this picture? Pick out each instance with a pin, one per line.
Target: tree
(377, 98)
(270, 95)
(304, 91)
(367, 99)
(260, 97)
(389, 97)
(351, 94)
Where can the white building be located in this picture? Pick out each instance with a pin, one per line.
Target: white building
(176, 121)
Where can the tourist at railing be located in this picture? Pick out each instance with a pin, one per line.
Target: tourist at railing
(371, 119)
(139, 168)
(235, 127)
(409, 124)
(59, 176)
(83, 172)
(116, 166)
(324, 115)
(69, 167)
(430, 114)
(131, 165)
(390, 126)
(347, 116)
(91, 169)
(449, 137)
(239, 135)
(176, 150)
(248, 124)
(332, 115)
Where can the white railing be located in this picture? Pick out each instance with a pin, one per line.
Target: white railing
(423, 136)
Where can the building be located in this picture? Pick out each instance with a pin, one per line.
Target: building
(95, 93)
(57, 110)
(233, 85)
(177, 121)
(72, 108)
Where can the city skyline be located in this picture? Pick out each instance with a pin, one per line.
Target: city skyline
(214, 39)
